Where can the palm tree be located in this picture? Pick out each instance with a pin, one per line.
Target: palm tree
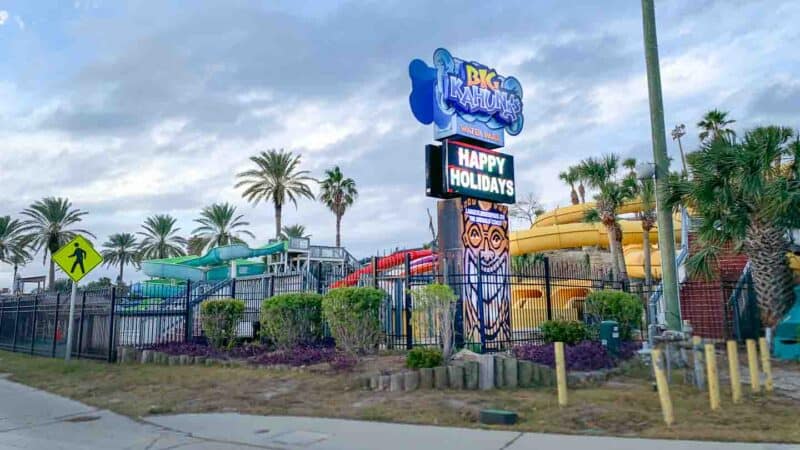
(630, 164)
(601, 174)
(160, 238)
(219, 225)
(645, 190)
(48, 227)
(120, 250)
(195, 245)
(570, 177)
(294, 231)
(746, 195)
(14, 244)
(714, 125)
(277, 177)
(337, 193)
(581, 181)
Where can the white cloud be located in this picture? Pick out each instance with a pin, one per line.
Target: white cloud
(20, 22)
(3, 16)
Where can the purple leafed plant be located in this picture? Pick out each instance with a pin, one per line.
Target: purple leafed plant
(343, 362)
(584, 356)
(261, 354)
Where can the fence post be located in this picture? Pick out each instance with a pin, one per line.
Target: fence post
(2, 308)
(187, 315)
(55, 325)
(80, 326)
(481, 322)
(233, 287)
(375, 272)
(33, 331)
(272, 285)
(319, 278)
(547, 289)
(111, 336)
(16, 321)
(407, 306)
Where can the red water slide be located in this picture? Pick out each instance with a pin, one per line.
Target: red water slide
(387, 262)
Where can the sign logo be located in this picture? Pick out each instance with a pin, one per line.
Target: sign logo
(77, 258)
(465, 99)
(478, 173)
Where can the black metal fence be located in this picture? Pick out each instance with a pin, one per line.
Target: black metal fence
(515, 303)
(38, 323)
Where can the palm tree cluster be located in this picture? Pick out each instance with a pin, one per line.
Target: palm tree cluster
(49, 223)
(277, 178)
(746, 193)
(743, 192)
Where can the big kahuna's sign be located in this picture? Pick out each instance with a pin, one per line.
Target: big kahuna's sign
(478, 173)
(465, 100)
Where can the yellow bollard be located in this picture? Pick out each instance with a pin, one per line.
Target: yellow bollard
(663, 387)
(766, 364)
(713, 377)
(561, 374)
(752, 363)
(733, 368)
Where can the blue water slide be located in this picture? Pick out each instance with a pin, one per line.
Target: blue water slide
(195, 268)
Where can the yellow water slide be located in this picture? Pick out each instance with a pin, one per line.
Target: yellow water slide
(563, 228)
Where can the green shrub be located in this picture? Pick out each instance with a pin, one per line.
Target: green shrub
(569, 332)
(622, 307)
(353, 315)
(424, 358)
(292, 319)
(220, 319)
(439, 301)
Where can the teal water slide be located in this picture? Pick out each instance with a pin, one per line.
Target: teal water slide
(214, 265)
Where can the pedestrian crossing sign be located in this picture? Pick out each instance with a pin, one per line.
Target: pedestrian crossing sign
(77, 258)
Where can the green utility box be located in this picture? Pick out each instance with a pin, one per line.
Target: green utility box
(787, 333)
(609, 336)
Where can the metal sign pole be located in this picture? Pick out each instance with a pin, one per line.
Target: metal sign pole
(71, 320)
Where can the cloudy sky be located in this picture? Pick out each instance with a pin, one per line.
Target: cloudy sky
(142, 107)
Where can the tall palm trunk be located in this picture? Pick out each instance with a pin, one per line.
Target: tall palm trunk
(51, 274)
(582, 192)
(648, 269)
(119, 280)
(766, 247)
(612, 248)
(338, 230)
(574, 196)
(623, 270)
(14, 282)
(278, 211)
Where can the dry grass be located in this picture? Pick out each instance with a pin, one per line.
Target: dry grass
(626, 406)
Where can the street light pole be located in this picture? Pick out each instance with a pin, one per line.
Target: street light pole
(666, 237)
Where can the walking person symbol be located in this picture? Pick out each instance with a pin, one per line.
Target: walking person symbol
(78, 254)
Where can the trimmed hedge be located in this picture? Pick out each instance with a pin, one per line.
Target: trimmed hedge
(294, 319)
(353, 315)
(220, 319)
(567, 331)
(625, 308)
(424, 358)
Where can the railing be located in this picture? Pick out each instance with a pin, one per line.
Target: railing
(655, 305)
(746, 320)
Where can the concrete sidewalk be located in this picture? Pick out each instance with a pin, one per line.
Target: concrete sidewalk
(33, 419)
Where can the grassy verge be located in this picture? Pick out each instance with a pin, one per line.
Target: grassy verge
(626, 406)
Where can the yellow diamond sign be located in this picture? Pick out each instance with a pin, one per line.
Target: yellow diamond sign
(77, 258)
